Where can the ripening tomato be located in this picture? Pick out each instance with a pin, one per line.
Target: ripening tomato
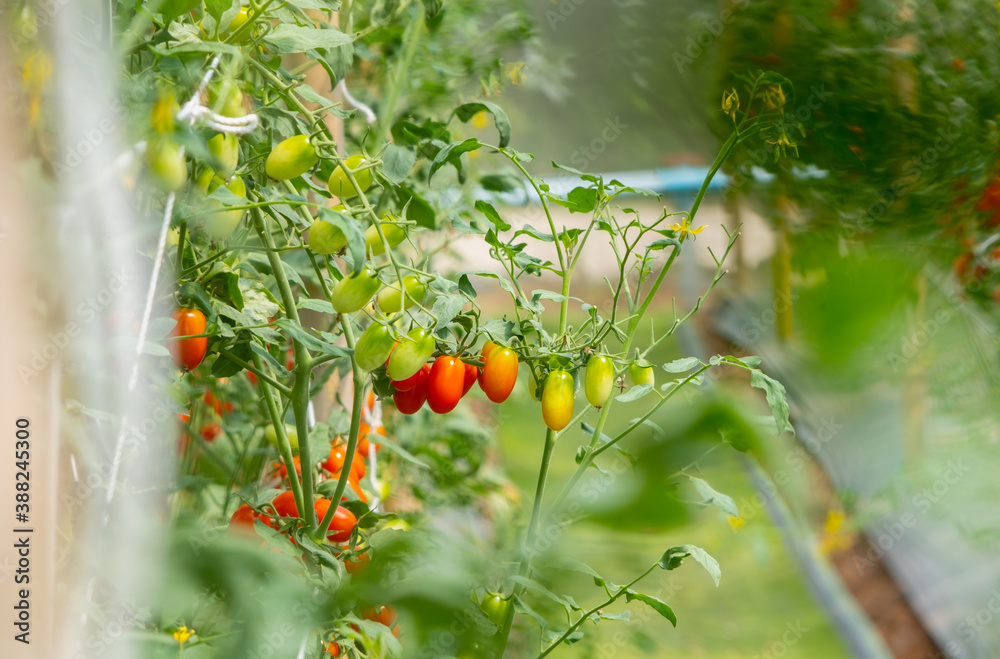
(333, 649)
(471, 375)
(210, 431)
(445, 384)
(290, 158)
(221, 224)
(188, 353)
(557, 400)
(284, 504)
(357, 563)
(335, 463)
(374, 346)
(243, 517)
(390, 298)
(226, 98)
(326, 237)
(488, 347)
(226, 150)
(640, 374)
(500, 374)
(354, 291)
(393, 233)
(411, 400)
(282, 471)
(213, 402)
(341, 186)
(252, 377)
(166, 163)
(411, 353)
(599, 380)
(341, 525)
(383, 614)
(290, 431)
(495, 605)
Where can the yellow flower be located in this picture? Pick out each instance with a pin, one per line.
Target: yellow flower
(684, 228)
(737, 522)
(774, 97)
(480, 120)
(183, 634)
(731, 103)
(835, 537)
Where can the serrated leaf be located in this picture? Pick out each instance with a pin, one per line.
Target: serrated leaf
(469, 110)
(775, 393)
(654, 603)
(492, 215)
(681, 365)
(446, 307)
(285, 38)
(397, 162)
(673, 557)
(452, 154)
(722, 501)
(635, 393)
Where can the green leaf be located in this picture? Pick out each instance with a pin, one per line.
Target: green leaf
(322, 306)
(217, 7)
(417, 208)
(223, 367)
(286, 38)
(492, 215)
(397, 162)
(446, 307)
(311, 342)
(501, 182)
(193, 292)
(775, 392)
(673, 557)
(567, 604)
(469, 110)
(452, 154)
(635, 393)
(657, 605)
(573, 565)
(681, 365)
(579, 200)
(722, 501)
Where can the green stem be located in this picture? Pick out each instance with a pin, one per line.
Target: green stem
(586, 616)
(303, 367)
(410, 42)
(284, 446)
(352, 439)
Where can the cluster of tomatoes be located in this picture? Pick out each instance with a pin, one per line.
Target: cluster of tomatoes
(977, 267)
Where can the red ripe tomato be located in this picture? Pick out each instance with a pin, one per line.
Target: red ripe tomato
(383, 614)
(210, 431)
(188, 353)
(214, 403)
(284, 504)
(243, 517)
(445, 384)
(185, 440)
(471, 374)
(357, 563)
(409, 383)
(411, 400)
(282, 470)
(335, 463)
(364, 446)
(341, 525)
(499, 374)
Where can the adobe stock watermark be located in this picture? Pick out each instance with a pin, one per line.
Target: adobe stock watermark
(924, 501)
(566, 8)
(76, 154)
(86, 313)
(752, 330)
(793, 633)
(913, 170)
(698, 44)
(585, 155)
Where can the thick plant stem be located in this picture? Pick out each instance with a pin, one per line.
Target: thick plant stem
(303, 367)
(352, 439)
(284, 446)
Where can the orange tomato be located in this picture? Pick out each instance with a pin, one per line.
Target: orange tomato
(188, 353)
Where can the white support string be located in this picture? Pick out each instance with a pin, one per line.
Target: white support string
(355, 103)
(194, 112)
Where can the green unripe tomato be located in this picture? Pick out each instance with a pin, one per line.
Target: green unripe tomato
(340, 185)
(641, 374)
(394, 234)
(495, 607)
(227, 99)
(293, 157)
(326, 238)
(599, 380)
(411, 353)
(220, 225)
(557, 400)
(354, 291)
(374, 346)
(166, 163)
(290, 432)
(390, 298)
(226, 150)
(239, 20)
